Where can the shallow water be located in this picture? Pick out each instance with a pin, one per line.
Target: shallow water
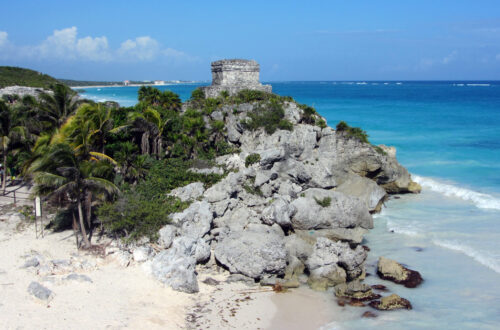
(448, 135)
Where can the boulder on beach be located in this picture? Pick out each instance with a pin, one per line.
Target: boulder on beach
(391, 270)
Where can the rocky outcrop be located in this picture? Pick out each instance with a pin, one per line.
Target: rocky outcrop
(22, 91)
(301, 209)
(391, 270)
(390, 303)
(253, 252)
(40, 292)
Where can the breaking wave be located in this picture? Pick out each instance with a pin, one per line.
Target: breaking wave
(482, 258)
(483, 201)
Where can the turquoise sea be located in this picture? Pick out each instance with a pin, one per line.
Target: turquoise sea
(447, 134)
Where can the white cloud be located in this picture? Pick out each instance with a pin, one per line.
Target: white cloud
(65, 44)
(95, 49)
(3, 38)
(141, 48)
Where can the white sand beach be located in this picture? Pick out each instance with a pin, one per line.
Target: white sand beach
(127, 297)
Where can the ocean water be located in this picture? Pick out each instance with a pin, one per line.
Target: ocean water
(448, 136)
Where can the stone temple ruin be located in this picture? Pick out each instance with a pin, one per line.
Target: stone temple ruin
(233, 76)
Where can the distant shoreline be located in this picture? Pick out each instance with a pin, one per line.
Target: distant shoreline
(133, 85)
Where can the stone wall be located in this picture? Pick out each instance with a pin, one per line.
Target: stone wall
(233, 76)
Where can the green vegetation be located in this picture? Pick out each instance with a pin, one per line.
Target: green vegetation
(352, 132)
(14, 76)
(379, 150)
(270, 116)
(252, 159)
(325, 202)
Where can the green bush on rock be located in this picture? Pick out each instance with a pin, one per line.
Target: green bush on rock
(252, 159)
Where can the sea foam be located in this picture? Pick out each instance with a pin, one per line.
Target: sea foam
(481, 257)
(483, 201)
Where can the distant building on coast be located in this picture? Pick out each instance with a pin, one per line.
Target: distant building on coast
(126, 82)
(159, 82)
(233, 76)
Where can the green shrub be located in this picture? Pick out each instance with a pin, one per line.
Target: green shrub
(224, 94)
(144, 208)
(352, 132)
(325, 202)
(198, 94)
(252, 159)
(251, 189)
(321, 123)
(270, 116)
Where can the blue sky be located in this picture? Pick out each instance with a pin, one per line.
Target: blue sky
(292, 40)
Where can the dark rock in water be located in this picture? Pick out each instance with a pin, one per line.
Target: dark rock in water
(369, 314)
(393, 271)
(40, 292)
(418, 249)
(379, 287)
(341, 302)
(390, 303)
(366, 248)
(355, 290)
(211, 281)
(356, 303)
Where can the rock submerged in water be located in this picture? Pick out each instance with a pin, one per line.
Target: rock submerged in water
(390, 303)
(391, 270)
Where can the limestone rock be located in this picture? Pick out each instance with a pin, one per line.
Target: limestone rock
(195, 221)
(40, 292)
(78, 278)
(343, 211)
(176, 266)
(141, 253)
(391, 270)
(166, 236)
(280, 212)
(390, 303)
(253, 252)
(190, 192)
(365, 189)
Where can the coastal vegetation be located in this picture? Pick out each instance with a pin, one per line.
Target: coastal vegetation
(352, 132)
(14, 76)
(107, 167)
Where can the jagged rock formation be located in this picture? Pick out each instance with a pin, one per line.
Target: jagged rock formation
(233, 76)
(301, 208)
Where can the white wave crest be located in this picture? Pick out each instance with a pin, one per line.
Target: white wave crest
(483, 259)
(483, 201)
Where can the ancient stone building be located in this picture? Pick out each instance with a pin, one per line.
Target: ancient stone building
(234, 76)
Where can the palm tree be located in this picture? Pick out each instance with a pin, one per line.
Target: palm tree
(62, 173)
(58, 106)
(151, 125)
(12, 130)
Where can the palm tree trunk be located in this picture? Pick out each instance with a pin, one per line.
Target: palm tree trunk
(88, 206)
(145, 143)
(82, 224)
(75, 227)
(4, 180)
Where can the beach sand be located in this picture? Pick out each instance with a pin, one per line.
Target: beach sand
(129, 298)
